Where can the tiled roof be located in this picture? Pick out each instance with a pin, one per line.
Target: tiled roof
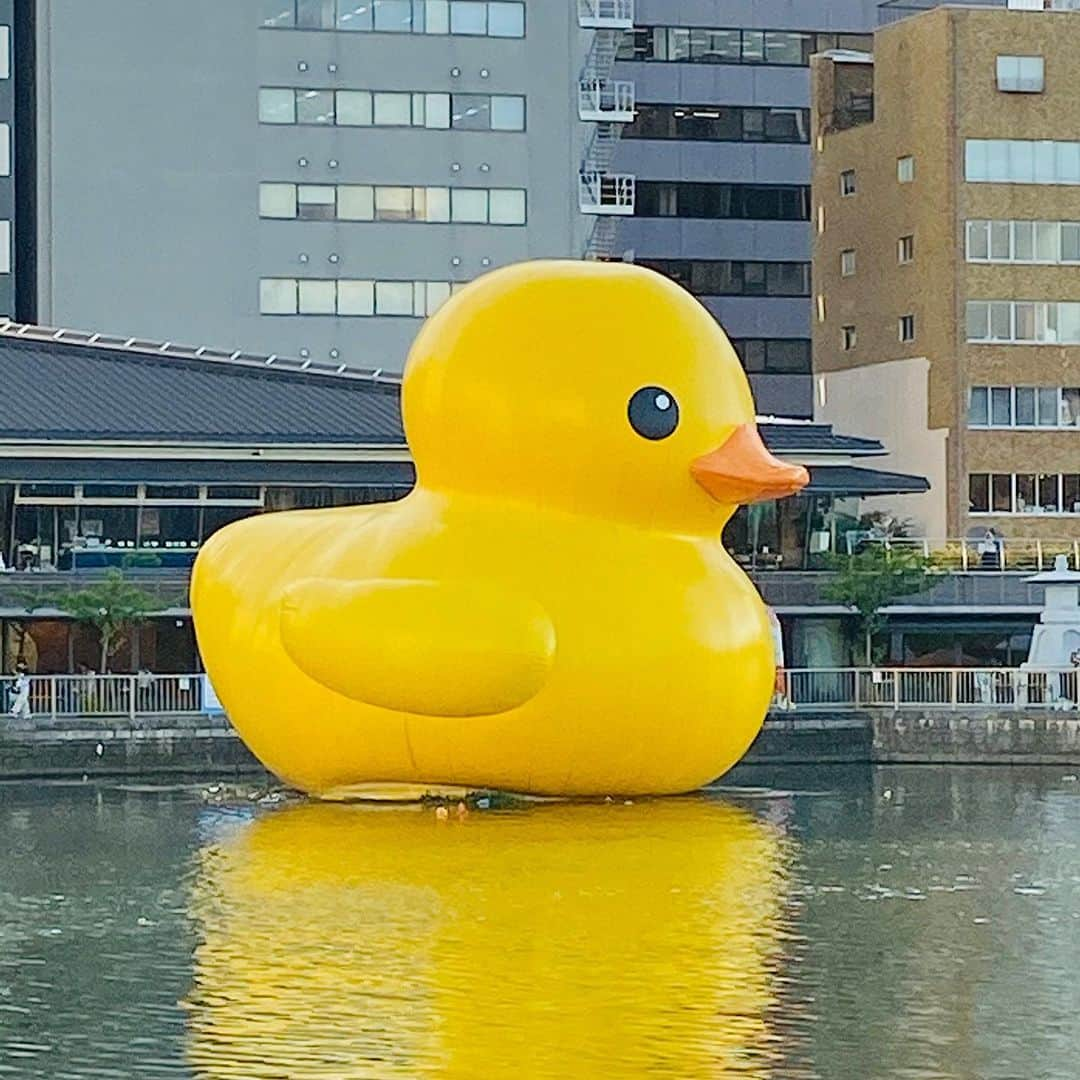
(815, 439)
(64, 389)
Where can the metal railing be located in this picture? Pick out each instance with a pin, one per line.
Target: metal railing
(606, 193)
(606, 100)
(973, 553)
(606, 14)
(817, 689)
(95, 695)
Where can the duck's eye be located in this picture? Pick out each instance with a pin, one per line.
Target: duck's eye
(653, 412)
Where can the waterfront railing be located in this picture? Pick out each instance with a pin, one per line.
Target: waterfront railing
(109, 695)
(817, 689)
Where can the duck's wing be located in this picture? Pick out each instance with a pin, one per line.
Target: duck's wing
(455, 648)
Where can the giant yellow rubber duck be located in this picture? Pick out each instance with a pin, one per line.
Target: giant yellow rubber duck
(354, 943)
(551, 609)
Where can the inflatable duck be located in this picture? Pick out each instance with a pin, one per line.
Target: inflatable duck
(348, 942)
(551, 610)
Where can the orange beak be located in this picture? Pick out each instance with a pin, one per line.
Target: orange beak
(743, 471)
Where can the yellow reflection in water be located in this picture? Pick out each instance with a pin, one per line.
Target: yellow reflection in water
(561, 941)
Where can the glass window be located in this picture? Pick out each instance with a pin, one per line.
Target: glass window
(978, 240)
(786, 48)
(848, 338)
(1046, 241)
(506, 20)
(393, 297)
(277, 106)
(847, 182)
(431, 16)
(392, 110)
(277, 296)
(277, 200)
(787, 356)
(1000, 320)
(437, 111)
(507, 113)
(905, 169)
(1044, 162)
(1070, 493)
(1020, 74)
(315, 14)
(279, 13)
(1047, 492)
(1001, 493)
(356, 298)
(999, 240)
(172, 491)
(847, 262)
(1068, 322)
(1048, 406)
(1000, 406)
(354, 14)
(977, 406)
(976, 160)
(393, 204)
(905, 249)
(314, 106)
(978, 320)
(1023, 240)
(1070, 406)
(1070, 241)
(1025, 493)
(1025, 406)
(906, 327)
(468, 17)
(507, 207)
(1067, 168)
(471, 112)
(356, 202)
(1023, 321)
(393, 16)
(316, 202)
(979, 493)
(317, 298)
(788, 279)
(431, 295)
(753, 46)
(719, 47)
(468, 205)
(354, 108)
(433, 203)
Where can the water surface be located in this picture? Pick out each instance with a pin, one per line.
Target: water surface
(908, 923)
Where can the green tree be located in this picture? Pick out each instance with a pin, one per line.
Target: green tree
(113, 606)
(872, 579)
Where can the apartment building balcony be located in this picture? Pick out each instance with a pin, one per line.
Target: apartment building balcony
(606, 14)
(606, 101)
(607, 193)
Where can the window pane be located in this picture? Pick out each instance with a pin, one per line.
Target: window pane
(1000, 406)
(1001, 320)
(999, 240)
(976, 160)
(753, 46)
(1048, 492)
(393, 110)
(977, 406)
(1070, 242)
(1070, 406)
(436, 17)
(1023, 240)
(356, 298)
(317, 297)
(277, 106)
(354, 15)
(277, 200)
(438, 292)
(393, 16)
(315, 106)
(506, 20)
(720, 47)
(436, 203)
(354, 107)
(784, 48)
(277, 296)
(1024, 315)
(978, 240)
(468, 17)
(356, 202)
(1046, 241)
(1049, 409)
(471, 112)
(507, 207)
(788, 357)
(315, 202)
(1019, 158)
(315, 14)
(393, 203)
(1045, 168)
(978, 320)
(1068, 322)
(1001, 492)
(393, 297)
(1025, 492)
(507, 113)
(1025, 406)
(1067, 162)
(979, 492)
(468, 205)
(277, 13)
(437, 110)
(1070, 501)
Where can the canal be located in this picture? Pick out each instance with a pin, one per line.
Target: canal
(832, 923)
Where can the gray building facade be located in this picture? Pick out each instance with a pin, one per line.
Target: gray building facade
(8, 217)
(721, 155)
(303, 177)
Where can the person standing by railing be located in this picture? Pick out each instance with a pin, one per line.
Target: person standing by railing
(20, 703)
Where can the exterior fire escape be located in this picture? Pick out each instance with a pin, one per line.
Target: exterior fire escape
(609, 104)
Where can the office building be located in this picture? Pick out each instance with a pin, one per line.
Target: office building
(947, 263)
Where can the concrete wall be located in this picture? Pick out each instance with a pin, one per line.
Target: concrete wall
(153, 155)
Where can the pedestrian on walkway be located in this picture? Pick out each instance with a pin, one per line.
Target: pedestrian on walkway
(20, 705)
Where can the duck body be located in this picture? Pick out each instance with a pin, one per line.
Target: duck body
(551, 610)
(645, 675)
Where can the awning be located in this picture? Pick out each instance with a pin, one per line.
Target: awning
(850, 480)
